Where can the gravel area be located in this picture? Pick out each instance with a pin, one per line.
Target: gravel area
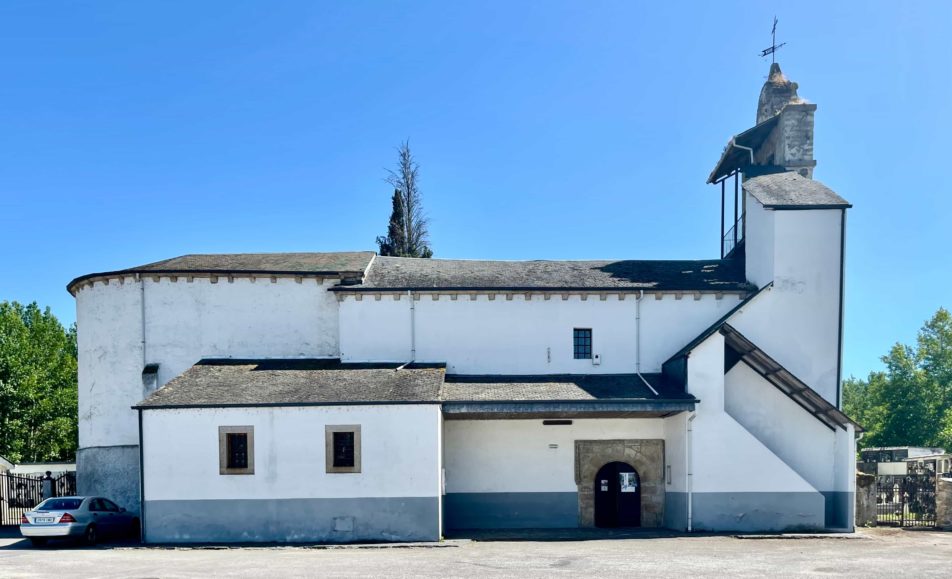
(868, 553)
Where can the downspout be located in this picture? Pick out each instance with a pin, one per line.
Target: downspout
(412, 327)
(412, 333)
(688, 462)
(748, 149)
(839, 353)
(641, 295)
(141, 483)
(142, 313)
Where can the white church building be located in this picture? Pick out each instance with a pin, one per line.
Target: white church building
(352, 397)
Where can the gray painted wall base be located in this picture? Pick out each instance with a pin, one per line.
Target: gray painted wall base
(111, 472)
(754, 512)
(511, 510)
(676, 511)
(293, 520)
(840, 507)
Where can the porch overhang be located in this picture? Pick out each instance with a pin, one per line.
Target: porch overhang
(502, 410)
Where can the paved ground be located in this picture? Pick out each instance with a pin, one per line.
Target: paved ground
(869, 553)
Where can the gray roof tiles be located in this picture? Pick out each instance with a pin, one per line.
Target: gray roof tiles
(557, 387)
(222, 383)
(290, 382)
(790, 190)
(344, 263)
(337, 262)
(400, 273)
(426, 274)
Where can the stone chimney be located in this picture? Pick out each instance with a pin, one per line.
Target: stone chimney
(790, 144)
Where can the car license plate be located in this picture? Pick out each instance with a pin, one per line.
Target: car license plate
(44, 519)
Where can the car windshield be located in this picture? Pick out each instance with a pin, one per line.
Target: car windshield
(59, 504)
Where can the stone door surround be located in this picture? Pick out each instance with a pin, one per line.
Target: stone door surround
(647, 456)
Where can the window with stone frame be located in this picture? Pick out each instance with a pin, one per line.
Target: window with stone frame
(342, 448)
(236, 450)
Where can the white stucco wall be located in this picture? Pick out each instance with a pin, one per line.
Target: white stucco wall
(675, 452)
(759, 242)
(491, 456)
(797, 320)
(517, 336)
(725, 456)
(185, 322)
(109, 340)
(243, 319)
(793, 434)
(400, 453)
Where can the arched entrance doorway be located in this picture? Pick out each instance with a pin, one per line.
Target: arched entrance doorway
(617, 496)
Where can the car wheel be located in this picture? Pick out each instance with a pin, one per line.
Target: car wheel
(38, 542)
(135, 531)
(91, 536)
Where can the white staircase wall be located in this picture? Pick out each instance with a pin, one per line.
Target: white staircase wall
(791, 433)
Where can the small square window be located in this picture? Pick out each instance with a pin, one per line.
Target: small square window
(236, 452)
(342, 448)
(582, 343)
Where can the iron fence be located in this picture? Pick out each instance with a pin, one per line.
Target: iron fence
(21, 493)
(906, 501)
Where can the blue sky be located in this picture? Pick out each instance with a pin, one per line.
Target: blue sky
(137, 131)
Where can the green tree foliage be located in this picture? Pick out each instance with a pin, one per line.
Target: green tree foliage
(910, 403)
(408, 232)
(395, 242)
(38, 388)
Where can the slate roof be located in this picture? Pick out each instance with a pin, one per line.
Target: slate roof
(789, 190)
(227, 383)
(565, 387)
(345, 262)
(397, 273)
(218, 383)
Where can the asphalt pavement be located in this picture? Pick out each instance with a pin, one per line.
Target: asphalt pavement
(867, 553)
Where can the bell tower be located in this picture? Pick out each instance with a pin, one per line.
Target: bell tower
(781, 141)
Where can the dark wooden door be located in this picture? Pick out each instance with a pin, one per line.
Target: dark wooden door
(617, 496)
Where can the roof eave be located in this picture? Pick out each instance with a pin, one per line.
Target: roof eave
(71, 286)
(735, 287)
(782, 207)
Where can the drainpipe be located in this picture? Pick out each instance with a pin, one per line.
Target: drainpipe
(412, 333)
(142, 312)
(641, 295)
(141, 483)
(412, 327)
(748, 149)
(688, 465)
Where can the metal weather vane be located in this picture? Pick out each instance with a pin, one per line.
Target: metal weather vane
(773, 45)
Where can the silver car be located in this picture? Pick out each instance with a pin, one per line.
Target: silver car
(86, 518)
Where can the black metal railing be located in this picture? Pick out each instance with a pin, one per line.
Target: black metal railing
(733, 237)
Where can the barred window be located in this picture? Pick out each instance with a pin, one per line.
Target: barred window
(582, 343)
(237, 450)
(343, 449)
